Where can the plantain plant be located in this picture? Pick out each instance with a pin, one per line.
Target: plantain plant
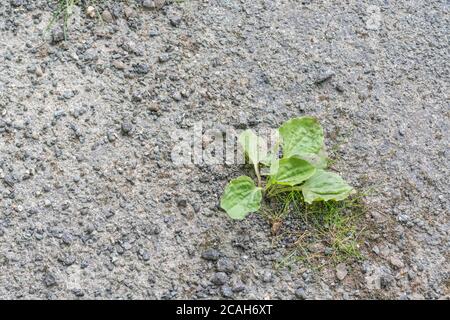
(301, 168)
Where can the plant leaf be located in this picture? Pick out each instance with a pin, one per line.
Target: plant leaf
(255, 147)
(325, 186)
(241, 197)
(318, 160)
(301, 136)
(291, 171)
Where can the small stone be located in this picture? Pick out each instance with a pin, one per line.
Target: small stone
(58, 114)
(341, 271)
(137, 96)
(164, 57)
(148, 4)
(386, 281)
(68, 260)
(119, 65)
(9, 180)
(57, 35)
(267, 276)
(153, 107)
(153, 33)
(17, 3)
(238, 286)
(176, 96)
(67, 239)
(225, 265)
(90, 54)
(111, 136)
(396, 262)
(182, 203)
(300, 294)
(211, 254)
(226, 291)
(49, 280)
(175, 20)
(31, 69)
(69, 94)
(141, 68)
(128, 12)
(126, 127)
(339, 87)
(90, 12)
(78, 292)
(153, 4)
(144, 254)
(324, 76)
(107, 16)
(219, 278)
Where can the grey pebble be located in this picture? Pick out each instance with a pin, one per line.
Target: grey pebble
(164, 57)
(226, 291)
(107, 16)
(148, 4)
(144, 254)
(126, 127)
(225, 265)
(78, 292)
(182, 203)
(153, 4)
(341, 271)
(267, 276)
(58, 114)
(176, 96)
(323, 76)
(175, 20)
(57, 35)
(301, 294)
(219, 278)
(49, 280)
(141, 68)
(153, 33)
(211, 254)
(111, 136)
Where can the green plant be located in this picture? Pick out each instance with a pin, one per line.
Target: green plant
(64, 10)
(301, 169)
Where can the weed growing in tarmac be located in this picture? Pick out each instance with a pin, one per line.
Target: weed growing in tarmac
(309, 208)
(301, 169)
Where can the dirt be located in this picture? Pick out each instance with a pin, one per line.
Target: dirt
(92, 204)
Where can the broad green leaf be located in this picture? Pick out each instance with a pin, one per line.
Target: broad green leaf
(241, 197)
(291, 171)
(255, 147)
(301, 136)
(325, 186)
(318, 160)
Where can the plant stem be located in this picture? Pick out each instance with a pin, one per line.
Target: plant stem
(258, 175)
